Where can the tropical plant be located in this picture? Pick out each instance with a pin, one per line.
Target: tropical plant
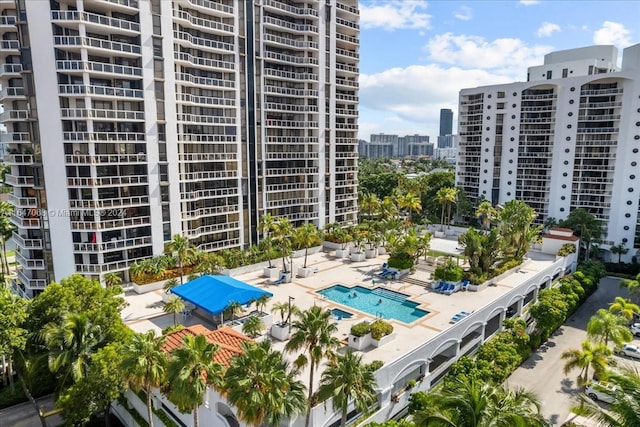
(181, 246)
(314, 336)
(446, 197)
(144, 365)
(624, 308)
(70, 345)
(549, 223)
(306, 236)
(467, 402)
(112, 279)
(13, 336)
(619, 250)
(633, 285)
(346, 378)
(265, 226)
(261, 302)
(253, 327)
(209, 263)
(605, 326)
(590, 355)
(286, 310)
(6, 231)
(282, 235)
(411, 202)
(449, 272)
(516, 226)
(369, 204)
(191, 371)
(175, 305)
(233, 309)
(262, 387)
(482, 250)
(586, 226)
(486, 213)
(169, 284)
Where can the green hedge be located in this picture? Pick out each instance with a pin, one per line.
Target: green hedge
(361, 329)
(380, 328)
(401, 261)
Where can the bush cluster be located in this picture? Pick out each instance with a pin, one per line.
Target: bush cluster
(567, 249)
(630, 270)
(380, 328)
(448, 273)
(401, 261)
(360, 329)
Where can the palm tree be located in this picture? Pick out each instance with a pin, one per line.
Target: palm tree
(262, 387)
(516, 219)
(585, 225)
(624, 308)
(286, 310)
(175, 305)
(549, 223)
(620, 250)
(6, 231)
(71, 344)
(209, 263)
(607, 326)
(265, 226)
(144, 365)
(591, 355)
(412, 202)
(233, 309)
(306, 235)
(169, 284)
(469, 402)
(181, 246)
(314, 336)
(625, 410)
(633, 286)
(486, 213)
(446, 196)
(191, 370)
(261, 302)
(282, 234)
(112, 279)
(253, 327)
(347, 378)
(369, 204)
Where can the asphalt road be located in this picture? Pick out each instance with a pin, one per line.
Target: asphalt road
(542, 372)
(25, 415)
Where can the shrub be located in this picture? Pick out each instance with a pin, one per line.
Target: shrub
(411, 384)
(375, 365)
(380, 328)
(360, 329)
(401, 261)
(566, 249)
(449, 272)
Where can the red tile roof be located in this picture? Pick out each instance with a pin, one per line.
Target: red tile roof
(228, 341)
(567, 238)
(566, 230)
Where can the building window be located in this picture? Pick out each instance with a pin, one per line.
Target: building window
(565, 73)
(500, 106)
(501, 94)
(549, 75)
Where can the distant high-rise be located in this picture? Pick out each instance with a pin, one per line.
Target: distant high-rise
(446, 122)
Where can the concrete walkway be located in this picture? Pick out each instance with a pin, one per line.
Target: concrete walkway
(25, 415)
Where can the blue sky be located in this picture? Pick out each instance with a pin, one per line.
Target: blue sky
(416, 55)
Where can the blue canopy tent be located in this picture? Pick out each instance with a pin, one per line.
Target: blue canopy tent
(214, 293)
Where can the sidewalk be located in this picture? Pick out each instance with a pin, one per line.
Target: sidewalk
(25, 415)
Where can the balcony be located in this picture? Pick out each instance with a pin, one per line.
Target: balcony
(10, 47)
(209, 7)
(204, 194)
(22, 202)
(95, 22)
(21, 222)
(289, 59)
(279, 24)
(291, 124)
(201, 23)
(212, 229)
(30, 264)
(106, 91)
(98, 45)
(12, 93)
(291, 10)
(203, 43)
(31, 283)
(114, 244)
(18, 159)
(208, 120)
(287, 41)
(271, 72)
(19, 181)
(207, 157)
(26, 243)
(16, 138)
(13, 116)
(208, 175)
(204, 81)
(106, 159)
(109, 203)
(102, 268)
(206, 100)
(208, 212)
(93, 113)
(108, 181)
(203, 62)
(274, 106)
(111, 224)
(198, 137)
(10, 70)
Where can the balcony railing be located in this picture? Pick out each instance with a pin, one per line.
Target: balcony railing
(94, 18)
(77, 89)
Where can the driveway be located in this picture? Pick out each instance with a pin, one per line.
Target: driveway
(542, 372)
(25, 415)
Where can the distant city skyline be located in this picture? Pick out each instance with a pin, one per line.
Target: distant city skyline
(415, 56)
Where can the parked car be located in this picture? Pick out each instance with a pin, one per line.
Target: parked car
(601, 392)
(630, 350)
(635, 329)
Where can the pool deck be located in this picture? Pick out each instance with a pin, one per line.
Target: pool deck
(145, 311)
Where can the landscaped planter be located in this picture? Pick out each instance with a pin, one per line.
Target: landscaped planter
(149, 287)
(439, 234)
(341, 253)
(357, 256)
(359, 343)
(383, 340)
(370, 253)
(382, 250)
(280, 331)
(306, 272)
(272, 273)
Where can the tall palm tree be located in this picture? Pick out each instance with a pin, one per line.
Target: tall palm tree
(619, 250)
(282, 234)
(446, 196)
(286, 310)
(585, 225)
(369, 204)
(471, 403)
(112, 279)
(181, 246)
(411, 202)
(253, 327)
(144, 365)
(209, 263)
(625, 410)
(306, 235)
(261, 302)
(233, 309)
(260, 384)
(624, 308)
(191, 370)
(388, 208)
(6, 231)
(486, 213)
(516, 225)
(71, 344)
(314, 336)
(591, 355)
(347, 378)
(265, 226)
(606, 326)
(175, 305)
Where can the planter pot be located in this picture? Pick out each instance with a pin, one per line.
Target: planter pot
(149, 287)
(383, 340)
(341, 253)
(382, 250)
(287, 277)
(357, 256)
(306, 272)
(370, 253)
(439, 234)
(359, 343)
(280, 332)
(272, 273)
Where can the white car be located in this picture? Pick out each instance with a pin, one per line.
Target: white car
(635, 329)
(630, 350)
(601, 392)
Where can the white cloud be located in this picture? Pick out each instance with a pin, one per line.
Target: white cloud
(529, 2)
(612, 33)
(507, 56)
(463, 13)
(547, 29)
(394, 15)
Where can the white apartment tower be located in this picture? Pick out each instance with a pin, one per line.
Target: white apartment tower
(567, 138)
(130, 121)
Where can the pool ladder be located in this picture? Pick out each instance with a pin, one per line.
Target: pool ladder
(379, 315)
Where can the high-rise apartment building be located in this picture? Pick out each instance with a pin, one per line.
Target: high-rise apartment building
(446, 122)
(567, 138)
(130, 121)
(386, 146)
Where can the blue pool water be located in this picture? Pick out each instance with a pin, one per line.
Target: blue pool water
(376, 302)
(341, 314)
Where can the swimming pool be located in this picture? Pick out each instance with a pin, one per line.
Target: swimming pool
(377, 302)
(341, 314)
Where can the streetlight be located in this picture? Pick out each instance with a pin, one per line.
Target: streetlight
(289, 314)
